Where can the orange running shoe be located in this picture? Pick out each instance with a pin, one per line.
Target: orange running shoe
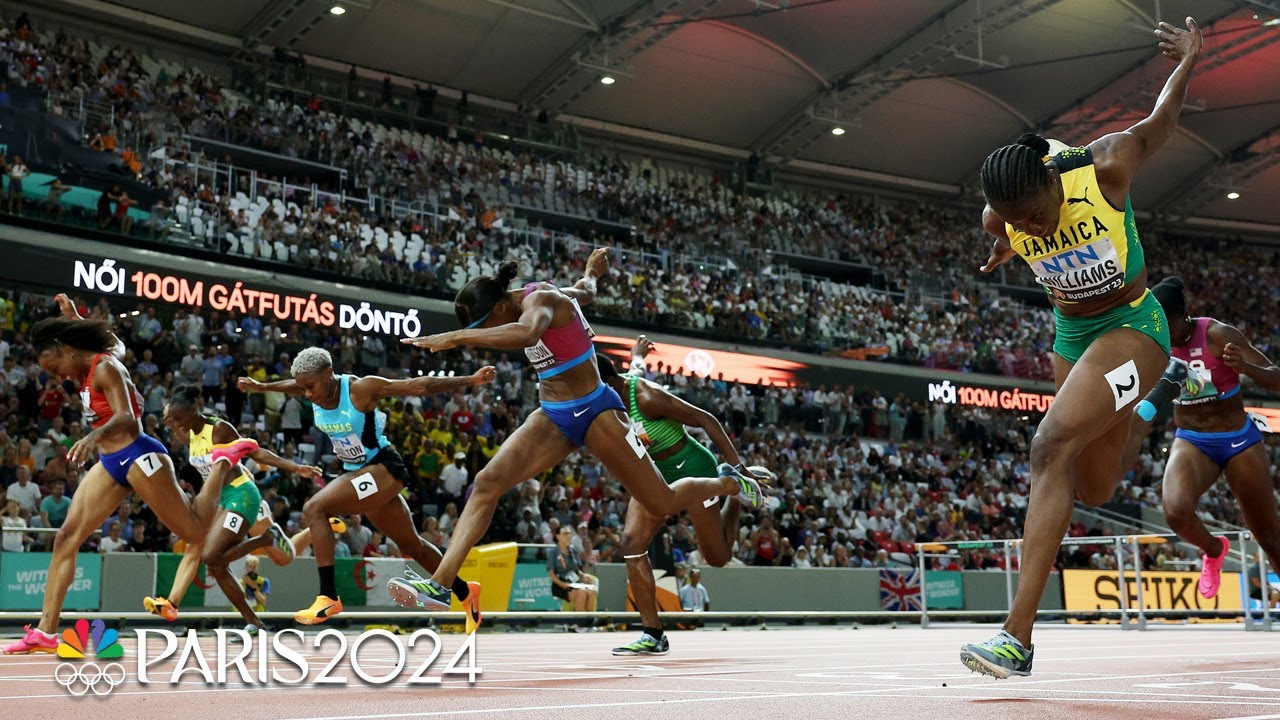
(322, 609)
(160, 606)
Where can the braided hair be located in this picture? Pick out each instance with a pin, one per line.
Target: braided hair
(1016, 171)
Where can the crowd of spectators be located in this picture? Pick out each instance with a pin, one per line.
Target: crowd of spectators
(862, 477)
(676, 216)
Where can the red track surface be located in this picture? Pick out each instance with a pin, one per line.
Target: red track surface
(872, 672)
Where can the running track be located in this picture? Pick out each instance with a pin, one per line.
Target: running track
(870, 672)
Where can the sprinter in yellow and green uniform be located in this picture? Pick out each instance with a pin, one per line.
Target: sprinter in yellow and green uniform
(1069, 217)
(241, 524)
(660, 419)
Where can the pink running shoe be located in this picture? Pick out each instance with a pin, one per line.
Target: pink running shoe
(34, 641)
(1211, 570)
(234, 452)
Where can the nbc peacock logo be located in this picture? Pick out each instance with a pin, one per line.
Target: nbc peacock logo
(81, 678)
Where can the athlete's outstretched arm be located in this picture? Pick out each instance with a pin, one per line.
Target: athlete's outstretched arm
(288, 387)
(1244, 358)
(373, 387)
(658, 403)
(584, 291)
(538, 312)
(1118, 156)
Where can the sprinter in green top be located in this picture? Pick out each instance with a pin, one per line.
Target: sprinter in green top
(660, 419)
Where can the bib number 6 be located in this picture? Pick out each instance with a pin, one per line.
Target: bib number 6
(365, 485)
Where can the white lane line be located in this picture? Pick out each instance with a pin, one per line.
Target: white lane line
(676, 701)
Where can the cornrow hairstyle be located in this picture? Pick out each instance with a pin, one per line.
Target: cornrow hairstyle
(92, 335)
(1015, 171)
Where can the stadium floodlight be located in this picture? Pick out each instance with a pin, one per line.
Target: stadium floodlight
(1233, 195)
(337, 10)
(608, 80)
(837, 131)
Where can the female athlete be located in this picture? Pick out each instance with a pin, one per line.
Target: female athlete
(1216, 435)
(128, 459)
(577, 408)
(662, 419)
(238, 505)
(1069, 217)
(346, 409)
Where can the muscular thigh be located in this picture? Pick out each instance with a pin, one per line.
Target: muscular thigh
(613, 441)
(1189, 473)
(359, 491)
(1249, 475)
(536, 446)
(1101, 390)
(95, 500)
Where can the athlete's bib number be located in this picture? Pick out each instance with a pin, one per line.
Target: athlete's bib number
(150, 463)
(634, 441)
(348, 448)
(233, 522)
(365, 485)
(1260, 422)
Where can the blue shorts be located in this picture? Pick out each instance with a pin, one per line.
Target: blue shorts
(1221, 447)
(574, 417)
(119, 462)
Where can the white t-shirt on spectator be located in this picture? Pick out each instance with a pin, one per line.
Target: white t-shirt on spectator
(694, 598)
(12, 540)
(107, 545)
(28, 497)
(454, 479)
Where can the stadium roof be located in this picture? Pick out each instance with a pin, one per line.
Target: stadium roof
(923, 88)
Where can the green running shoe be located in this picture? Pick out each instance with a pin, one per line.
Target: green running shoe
(413, 590)
(999, 657)
(646, 645)
(750, 493)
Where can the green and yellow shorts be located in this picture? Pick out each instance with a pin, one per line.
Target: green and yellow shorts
(241, 497)
(1074, 335)
(693, 460)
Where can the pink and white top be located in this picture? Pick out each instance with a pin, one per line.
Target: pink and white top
(1220, 381)
(560, 349)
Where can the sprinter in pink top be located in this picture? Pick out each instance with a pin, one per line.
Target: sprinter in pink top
(578, 410)
(1215, 434)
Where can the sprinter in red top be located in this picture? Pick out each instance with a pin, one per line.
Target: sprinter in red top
(84, 351)
(1216, 435)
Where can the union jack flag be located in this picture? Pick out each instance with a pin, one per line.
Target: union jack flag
(900, 590)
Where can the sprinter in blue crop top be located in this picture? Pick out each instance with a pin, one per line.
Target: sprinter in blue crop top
(346, 409)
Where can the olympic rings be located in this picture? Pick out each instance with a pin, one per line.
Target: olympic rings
(80, 679)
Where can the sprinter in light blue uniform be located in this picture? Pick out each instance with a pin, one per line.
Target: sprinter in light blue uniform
(346, 409)
(358, 438)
